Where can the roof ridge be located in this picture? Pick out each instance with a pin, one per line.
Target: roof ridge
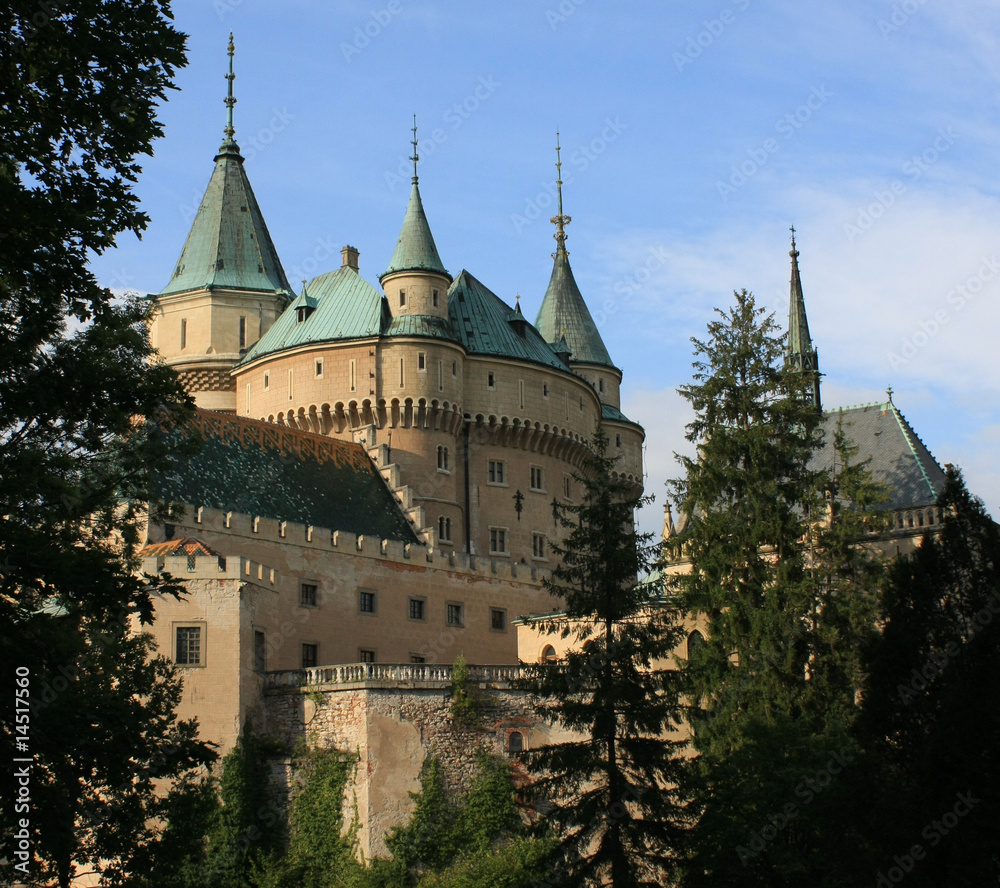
(909, 434)
(880, 404)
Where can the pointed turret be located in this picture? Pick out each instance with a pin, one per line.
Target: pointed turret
(563, 309)
(416, 281)
(228, 285)
(800, 352)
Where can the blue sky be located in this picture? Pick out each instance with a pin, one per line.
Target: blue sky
(693, 135)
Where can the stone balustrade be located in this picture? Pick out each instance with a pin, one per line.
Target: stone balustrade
(389, 674)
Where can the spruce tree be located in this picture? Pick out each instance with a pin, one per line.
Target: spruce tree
(767, 562)
(613, 794)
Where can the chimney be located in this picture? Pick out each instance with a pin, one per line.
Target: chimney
(349, 257)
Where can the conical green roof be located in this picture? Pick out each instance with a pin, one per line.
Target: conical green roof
(229, 244)
(415, 249)
(563, 312)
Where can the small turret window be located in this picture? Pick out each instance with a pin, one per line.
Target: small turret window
(184, 332)
(491, 380)
(243, 332)
(600, 385)
(402, 298)
(421, 361)
(434, 298)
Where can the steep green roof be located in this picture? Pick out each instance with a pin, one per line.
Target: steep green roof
(346, 307)
(563, 310)
(415, 249)
(228, 244)
(613, 414)
(482, 323)
(261, 469)
(899, 459)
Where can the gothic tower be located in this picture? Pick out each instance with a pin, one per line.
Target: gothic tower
(228, 286)
(800, 352)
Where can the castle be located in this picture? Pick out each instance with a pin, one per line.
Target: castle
(377, 485)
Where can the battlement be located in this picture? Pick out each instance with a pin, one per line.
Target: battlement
(250, 527)
(212, 567)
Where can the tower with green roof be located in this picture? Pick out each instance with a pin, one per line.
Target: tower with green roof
(228, 286)
(800, 351)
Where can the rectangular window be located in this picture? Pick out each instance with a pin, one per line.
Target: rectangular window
(496, 471)
(248, 398)
(498, 540)
(491, 380)
(267, 381)
(421, 361)
(440, 376)
(184, 332)
(418, 607)
(310, 656)
(366, 655)
(444, 529)
(418, 658)
(189, 646)
(243, 332)
(434, 298)
(454, 368)
(289, 385)
(402, 298)
(536, 478)
(538, 545)
(319, 368)
(498, 619)
(455, 614)
(354, 376)
(308, 595)
(402, 377)
(567, 486)
(520, 392)
(366, 601)
(618, 441)
(545, 390)
(259, 650)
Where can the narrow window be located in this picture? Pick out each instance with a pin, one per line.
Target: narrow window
(259, 651)
(440, 376)
(354, 376)
(402, 298)
(567, 486)
(496, 473)
(248, 398)
(498, 540)
(545, 390)
(454, 369)
(442, 456)
(456, 616)
(267, 381)
(243, 332)
(520, 392)
(434, 298)
(421, 361)
(319, 368)
(536, 478)
(188, 651)
(498, 619)
(538, 545)
(289, 385)
(308, 594)
(444, 529)
(310, 656)
(491, 380)
(184, 332)
(402, 378)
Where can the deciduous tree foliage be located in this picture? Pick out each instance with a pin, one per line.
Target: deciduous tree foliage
(78, 90)
(615, 796)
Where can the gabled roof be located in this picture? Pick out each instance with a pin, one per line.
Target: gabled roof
(271, 471)
(899, 459)
(185, 546)
(481, 322)
(346, 307)
(563, 310)
(415, 249)
(228, 244)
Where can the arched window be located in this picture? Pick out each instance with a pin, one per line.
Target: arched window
(694, 640)
(444, 529)
(442, 457)
(515, 742)
(548, 654)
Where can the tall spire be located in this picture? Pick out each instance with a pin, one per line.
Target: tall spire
(229, 145)
(561, 220)
(800, 352)
(415, 249)
(415, 156)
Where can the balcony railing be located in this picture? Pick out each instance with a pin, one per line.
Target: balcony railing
(402, 674)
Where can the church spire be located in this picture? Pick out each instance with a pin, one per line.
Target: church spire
(229, 145)
(561, 220)
(800, 352)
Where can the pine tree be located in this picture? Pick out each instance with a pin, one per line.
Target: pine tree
(614, 795)
(768, 560)
(930, 776)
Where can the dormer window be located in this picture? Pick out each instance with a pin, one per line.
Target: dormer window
(303, 312)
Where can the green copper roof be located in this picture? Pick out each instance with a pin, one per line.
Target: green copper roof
(563, 310)
(899, 459)
(613, 414)
(270, 471)
(346, 307)
(415, 249)
(481, 321)
(229, 244)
